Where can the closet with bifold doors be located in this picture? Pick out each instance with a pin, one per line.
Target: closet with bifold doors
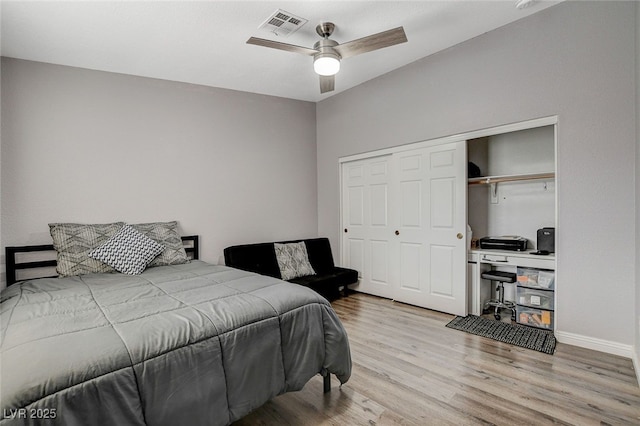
(403, 217)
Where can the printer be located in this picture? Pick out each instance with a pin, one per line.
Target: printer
(506, 242)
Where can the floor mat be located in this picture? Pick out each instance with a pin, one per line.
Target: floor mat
(519, 335)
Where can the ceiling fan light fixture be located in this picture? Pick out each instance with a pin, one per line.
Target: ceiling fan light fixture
(326, 64)
(327, 53)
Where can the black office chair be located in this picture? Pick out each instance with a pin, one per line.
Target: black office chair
(499, 303)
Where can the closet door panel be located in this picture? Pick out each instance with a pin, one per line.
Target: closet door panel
(442, 283)
(376, 278)
(411, 204)
(380, 262)
(410, 252)
(356, 206)
(431, 184)
(355, 254)
(366, 201)
(443, 211)
(379, 205)
(446, 236)
(410, 271)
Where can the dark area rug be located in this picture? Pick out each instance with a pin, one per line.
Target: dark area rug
(519, 335)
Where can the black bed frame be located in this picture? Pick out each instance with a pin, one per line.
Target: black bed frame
(191, 247)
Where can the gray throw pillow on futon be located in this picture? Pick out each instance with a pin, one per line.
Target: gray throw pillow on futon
(293, 260)
(165, 233)
(128, 251)
(73, 241)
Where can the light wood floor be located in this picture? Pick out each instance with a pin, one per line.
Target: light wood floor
(409, 369)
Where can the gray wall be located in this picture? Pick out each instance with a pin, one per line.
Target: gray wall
(637, 322)
(91, 147)
(574, 60)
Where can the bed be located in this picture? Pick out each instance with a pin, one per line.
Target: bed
(191, 343)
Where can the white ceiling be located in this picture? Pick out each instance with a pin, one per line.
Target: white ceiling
(204, 42)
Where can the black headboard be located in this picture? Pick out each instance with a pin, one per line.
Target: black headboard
(14, 265)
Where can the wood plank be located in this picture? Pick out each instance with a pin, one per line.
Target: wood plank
(409, 369)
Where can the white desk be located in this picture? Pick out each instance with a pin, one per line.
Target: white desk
(479, 290)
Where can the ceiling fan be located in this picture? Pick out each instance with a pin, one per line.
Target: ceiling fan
(327, 53)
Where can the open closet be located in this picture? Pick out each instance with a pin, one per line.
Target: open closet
(514, 196)
(405, 211)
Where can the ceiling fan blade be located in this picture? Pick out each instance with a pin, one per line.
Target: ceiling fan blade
(281, 46)
(372, 42)
(327, 83)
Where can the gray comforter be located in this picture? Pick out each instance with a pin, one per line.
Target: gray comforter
(178, 345)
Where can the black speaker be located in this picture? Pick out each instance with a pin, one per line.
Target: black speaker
(547, 240)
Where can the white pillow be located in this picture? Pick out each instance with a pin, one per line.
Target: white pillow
(128, 251)
(293, 260)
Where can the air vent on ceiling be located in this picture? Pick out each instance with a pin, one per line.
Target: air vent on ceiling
(283, 23)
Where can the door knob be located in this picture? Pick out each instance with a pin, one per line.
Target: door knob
(397, 232)
(459, 235)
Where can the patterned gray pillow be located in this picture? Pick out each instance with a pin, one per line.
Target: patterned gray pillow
(73, 241)
(293, 260)
(128, 251)
(165, 233)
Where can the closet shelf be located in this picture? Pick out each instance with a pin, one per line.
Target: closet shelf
(487, 180)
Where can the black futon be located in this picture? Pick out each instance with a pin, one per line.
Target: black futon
(261, 258)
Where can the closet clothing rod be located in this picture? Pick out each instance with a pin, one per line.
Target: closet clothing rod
(485, 180)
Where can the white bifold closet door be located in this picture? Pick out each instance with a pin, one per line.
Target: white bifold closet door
(404, 220)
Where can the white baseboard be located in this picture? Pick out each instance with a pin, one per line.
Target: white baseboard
(605, 346)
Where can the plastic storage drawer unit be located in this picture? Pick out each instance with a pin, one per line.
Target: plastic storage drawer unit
(535, 317)
(542, 299)
(536, 278)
